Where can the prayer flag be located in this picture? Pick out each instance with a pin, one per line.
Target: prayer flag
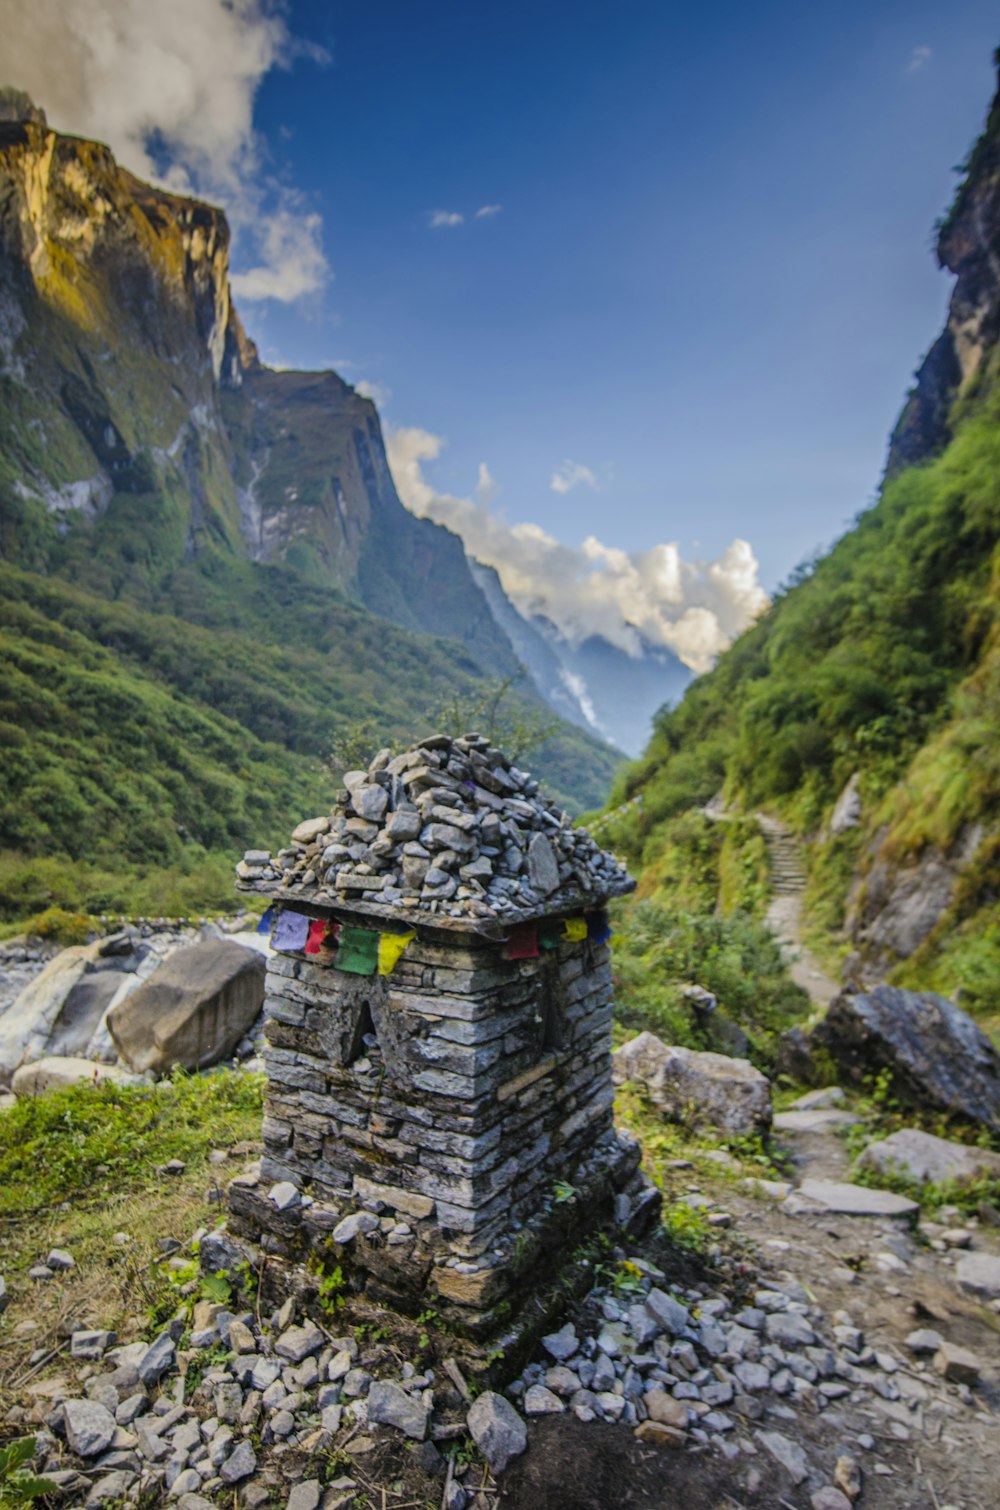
(522, 942)
(390, 947)
(317, 933)
(358, 951)
(598, 927)
(291, 932)
(574, 930)
(264, 926)
(549, 934)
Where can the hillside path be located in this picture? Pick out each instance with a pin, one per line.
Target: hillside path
(784, 915)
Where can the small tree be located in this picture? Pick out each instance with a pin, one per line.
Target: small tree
(490, 710)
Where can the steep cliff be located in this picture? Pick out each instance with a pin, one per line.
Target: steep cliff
(968, 238)
(206, 570)
(881, 664)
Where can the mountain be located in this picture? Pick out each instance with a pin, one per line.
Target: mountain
(882, 665)
(205, 572)
(595, 684)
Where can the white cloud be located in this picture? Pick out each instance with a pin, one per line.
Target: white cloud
(487, 211)
(693, 607)
(919, 58)
(377, 392)
(171, 89)
(292, 260)
(569, 475)
(486, 487)
(438, 218)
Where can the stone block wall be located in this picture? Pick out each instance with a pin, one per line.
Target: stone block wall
(461, 1107)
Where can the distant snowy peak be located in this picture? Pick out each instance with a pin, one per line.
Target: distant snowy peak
(596, 684)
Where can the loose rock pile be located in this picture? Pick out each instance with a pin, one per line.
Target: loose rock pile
(449, 826)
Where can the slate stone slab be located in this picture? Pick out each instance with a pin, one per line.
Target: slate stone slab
(937, 1055)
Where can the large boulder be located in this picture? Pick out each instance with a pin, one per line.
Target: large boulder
(194, 1010)
(55, 1074)
(921, 1156)
(694, 1087)
(935, 1053)
(27, 1028)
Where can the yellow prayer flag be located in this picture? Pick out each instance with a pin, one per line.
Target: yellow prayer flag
(574, 930)
(390, 947)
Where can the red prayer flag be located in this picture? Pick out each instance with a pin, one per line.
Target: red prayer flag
(317, 933)
(522, 942)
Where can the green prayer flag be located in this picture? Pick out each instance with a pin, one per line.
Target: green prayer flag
(550, 933)
(357, 951)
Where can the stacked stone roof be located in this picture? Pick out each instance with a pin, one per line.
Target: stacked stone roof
(449, 827)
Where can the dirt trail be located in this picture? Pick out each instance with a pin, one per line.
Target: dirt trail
(784, 915)
(923, 1444)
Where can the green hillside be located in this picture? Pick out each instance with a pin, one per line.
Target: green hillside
(882, 659)
(206, 574)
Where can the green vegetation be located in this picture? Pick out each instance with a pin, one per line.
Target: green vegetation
(883, 657)
(18, 1484)
(697, 920)
(91, 1140)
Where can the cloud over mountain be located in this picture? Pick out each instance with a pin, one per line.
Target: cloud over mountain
(171, 89)
(695, 608)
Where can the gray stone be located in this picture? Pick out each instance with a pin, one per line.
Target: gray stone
(924, 1340)
(193, 1011)
(921, 1156)
(4, 1297)
(847, 809)
(858, 1200)
(158, 1358)
(370, 801)
(284, 1195)
(90, 1428)
(110, 1488)
(305, 1495)
(543, 867)
(789, 1329)
(130, 1408)
(829, 1498)
(667, 1312)
(979, 1274)
(539, 1401)
(390, 1405)
(752, 1376)
(957, 1364)
(59, 1258)
(90, 1344)
(239, 1465)
(188, 1481)
(786, 1452)
(299, 1342)
(27, 1027)
(937, 1055)
(496, 1429)
(562, 1344)
(54, 1073)
(821, 1119)
(694, 1087)
(358, 1222)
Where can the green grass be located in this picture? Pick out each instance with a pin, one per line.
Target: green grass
(86, 1141)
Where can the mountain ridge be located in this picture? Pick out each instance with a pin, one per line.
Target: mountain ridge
(880, 666)
(161, 489)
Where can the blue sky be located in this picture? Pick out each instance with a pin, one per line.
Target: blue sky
(711, 278)
(696, 312)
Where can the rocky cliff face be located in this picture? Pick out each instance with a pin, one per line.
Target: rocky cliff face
(968, 245)
(127, 372)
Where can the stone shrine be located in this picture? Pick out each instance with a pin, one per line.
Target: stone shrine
(438, 1115)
